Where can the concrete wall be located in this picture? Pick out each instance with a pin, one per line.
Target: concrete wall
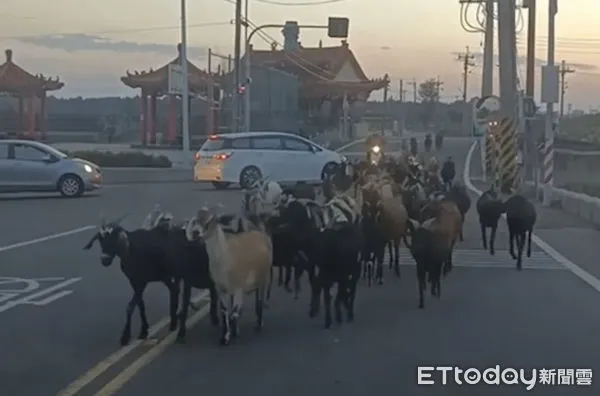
(577, 172)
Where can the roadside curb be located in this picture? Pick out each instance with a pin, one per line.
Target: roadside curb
(146, 175)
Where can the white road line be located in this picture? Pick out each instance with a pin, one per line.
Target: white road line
(45, 238)
(575, 269)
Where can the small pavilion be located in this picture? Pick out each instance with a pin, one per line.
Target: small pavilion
(155, 84)
(30, 90)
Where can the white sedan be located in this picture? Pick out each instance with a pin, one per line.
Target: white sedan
(243, 158)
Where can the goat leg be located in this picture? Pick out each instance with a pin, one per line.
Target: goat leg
(315, 297)
(327, 304)
(173, 286)
(520, 245)
(280, 275)
(288, 275)
(185, 305)
(483, 235)
(422, 286)
(259, 307)
(391, 254)
(214, 306)
(529, 242)
(397, 257)
(340, 298)
(493, 239)
(226, 329)
(298, 271)
(126, 334)
(511, 242)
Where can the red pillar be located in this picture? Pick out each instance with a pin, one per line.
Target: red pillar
(172, 118)
(143, 118)
(43, 116)
(153, 118)
(31, 114)
(20, 121)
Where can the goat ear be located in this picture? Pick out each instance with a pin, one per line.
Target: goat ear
(89, 245)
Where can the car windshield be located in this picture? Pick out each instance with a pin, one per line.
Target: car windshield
(213, 144)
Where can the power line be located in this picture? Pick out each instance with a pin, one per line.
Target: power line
(468, 61)
(135, 30)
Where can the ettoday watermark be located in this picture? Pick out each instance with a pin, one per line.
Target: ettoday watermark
(529, 378)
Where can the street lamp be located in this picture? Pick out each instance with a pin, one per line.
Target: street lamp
(185, 95)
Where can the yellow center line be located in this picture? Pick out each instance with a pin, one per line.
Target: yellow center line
(76, 386)
(126, 375)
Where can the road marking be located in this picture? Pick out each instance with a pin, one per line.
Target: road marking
(76, 386)
(575, 269)
(29, 299)
(45, 238)
(478, 258)
(126, 375)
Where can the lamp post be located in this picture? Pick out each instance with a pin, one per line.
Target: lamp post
(185, 95)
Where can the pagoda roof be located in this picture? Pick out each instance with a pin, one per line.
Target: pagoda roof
(158, 80)
(15, 79)
(318, 67)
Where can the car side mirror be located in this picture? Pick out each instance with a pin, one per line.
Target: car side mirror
(313, 149)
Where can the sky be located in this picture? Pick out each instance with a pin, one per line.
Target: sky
(91, 44)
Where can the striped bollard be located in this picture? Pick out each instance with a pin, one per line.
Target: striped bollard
(507, 136)
(548, 155)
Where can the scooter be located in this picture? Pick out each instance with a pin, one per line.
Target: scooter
(375, 155)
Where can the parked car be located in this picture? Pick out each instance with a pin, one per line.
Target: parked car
(245, 157)
(29, 166)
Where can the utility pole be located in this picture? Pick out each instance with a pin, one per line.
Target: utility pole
(414, 87)
(564, 70)
(550, 95)
(467, 60)
(531, 160)
(487, 77)
(386, 108)
(402, 91)
(508, 56)
(236, 67)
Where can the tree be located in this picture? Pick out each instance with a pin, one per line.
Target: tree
(429, 90)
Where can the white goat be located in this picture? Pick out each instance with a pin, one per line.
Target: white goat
(238, 263)
(263, 195)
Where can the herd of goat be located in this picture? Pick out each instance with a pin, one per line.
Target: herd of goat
(336, 233)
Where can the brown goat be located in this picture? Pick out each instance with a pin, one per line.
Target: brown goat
(447, 227)
(394, 228)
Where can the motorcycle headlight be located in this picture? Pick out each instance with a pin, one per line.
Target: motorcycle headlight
(376, 149)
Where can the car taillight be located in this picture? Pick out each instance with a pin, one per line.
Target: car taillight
(222, 156)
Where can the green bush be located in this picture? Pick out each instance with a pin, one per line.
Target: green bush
(124, 159)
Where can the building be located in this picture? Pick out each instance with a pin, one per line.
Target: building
(330, 79)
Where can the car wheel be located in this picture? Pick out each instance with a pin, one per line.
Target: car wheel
(221, 185)
(249, 176)
(70, 186)
(328, 170)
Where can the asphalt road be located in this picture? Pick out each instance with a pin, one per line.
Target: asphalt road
(489, 314)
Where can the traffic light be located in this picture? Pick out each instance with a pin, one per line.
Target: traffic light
(337, 27)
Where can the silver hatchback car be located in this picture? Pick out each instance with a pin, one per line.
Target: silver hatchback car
(28, 166)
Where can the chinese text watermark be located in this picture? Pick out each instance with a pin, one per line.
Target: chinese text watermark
(529, 378)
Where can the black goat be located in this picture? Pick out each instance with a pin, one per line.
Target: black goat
(429, 254)
(143, 260)
(520, 218)
(459, 195)
(338, 248)
(489, 208)
(189, 264)
(373, 244)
